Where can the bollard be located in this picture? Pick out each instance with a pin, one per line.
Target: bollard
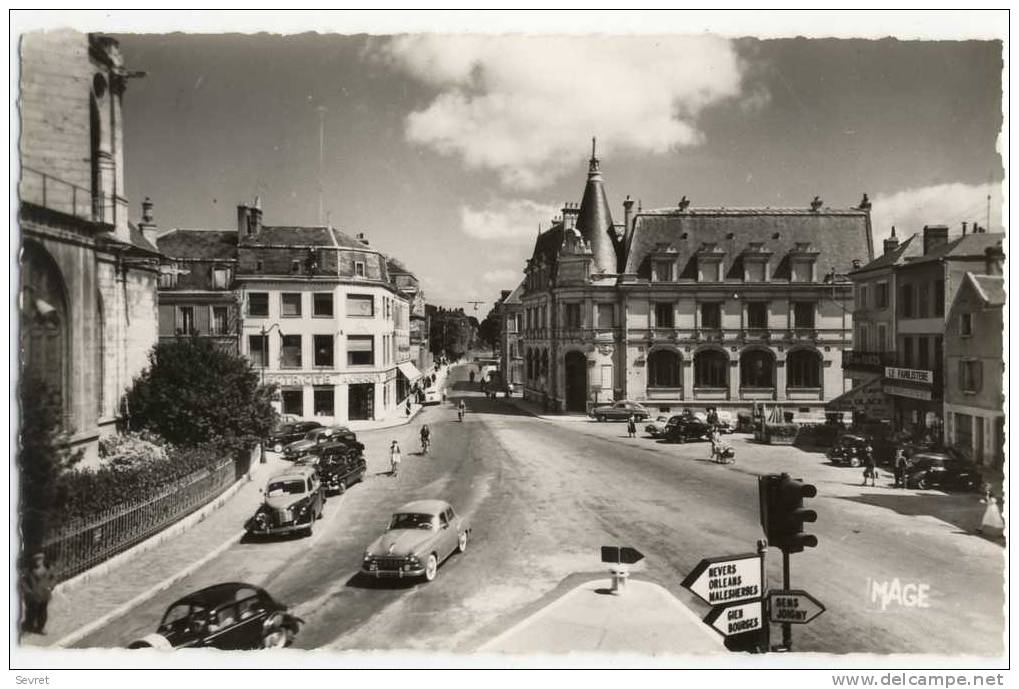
(619, 577)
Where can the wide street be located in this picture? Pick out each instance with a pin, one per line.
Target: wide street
(543, 496)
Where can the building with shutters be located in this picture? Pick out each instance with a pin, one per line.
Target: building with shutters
(691, 307)
(87, 298)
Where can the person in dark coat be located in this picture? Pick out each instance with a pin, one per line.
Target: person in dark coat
(901, 464)
(870, 466)
(36, 586)
(631, 426)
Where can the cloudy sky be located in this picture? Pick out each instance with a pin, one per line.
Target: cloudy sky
(450, 151)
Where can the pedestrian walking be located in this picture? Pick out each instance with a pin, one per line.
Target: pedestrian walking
(394, 459)
(900, 468)
(631, 426)
(870, 468)
(408, 406)
(36, 584)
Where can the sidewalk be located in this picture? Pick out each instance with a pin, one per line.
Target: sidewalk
(535, 409)
(397, 416)
(644, 619)
(80, 607)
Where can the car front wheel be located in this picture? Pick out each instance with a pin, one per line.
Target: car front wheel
(922, 483)
(276, 638)
(461, 542)
(277, 448)
(854, 462)
(431, 567)
(601, 418)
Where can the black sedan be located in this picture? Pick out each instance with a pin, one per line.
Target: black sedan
(849, 450)
(339, 465)
(230, 617)
(943, 471)
(682, 428)
(288, 433)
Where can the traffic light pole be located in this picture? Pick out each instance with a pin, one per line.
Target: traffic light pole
(787, 628)
(762, 550)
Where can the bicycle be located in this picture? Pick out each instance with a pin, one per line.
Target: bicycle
(425, 444)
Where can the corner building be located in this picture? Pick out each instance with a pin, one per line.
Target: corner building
(691, 307)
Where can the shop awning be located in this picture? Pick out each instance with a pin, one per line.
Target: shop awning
(868, 399)
(409, 371)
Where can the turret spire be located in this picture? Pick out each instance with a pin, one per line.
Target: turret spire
(595, 164)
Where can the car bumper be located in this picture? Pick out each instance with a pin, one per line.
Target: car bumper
(256, 530)
(394, 574)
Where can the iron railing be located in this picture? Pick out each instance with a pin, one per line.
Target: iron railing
(83, 544)
(45, 190)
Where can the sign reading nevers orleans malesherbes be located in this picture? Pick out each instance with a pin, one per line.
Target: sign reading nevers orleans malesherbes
(726, 580)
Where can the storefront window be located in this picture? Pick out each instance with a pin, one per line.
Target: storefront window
(804, 369)
(711, 368)
(293, 402)
(325, 401)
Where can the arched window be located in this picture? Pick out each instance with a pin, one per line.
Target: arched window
(663, 369)
(44, 321)
(757, 369)
(529, 364)
(544, 363)
(711, 369)
(803, 369)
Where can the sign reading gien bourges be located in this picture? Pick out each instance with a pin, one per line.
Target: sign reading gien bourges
(912, 375)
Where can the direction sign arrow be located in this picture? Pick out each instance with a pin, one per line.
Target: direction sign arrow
(730, 620)
(726, 580)
(794, 607)
(617, 555)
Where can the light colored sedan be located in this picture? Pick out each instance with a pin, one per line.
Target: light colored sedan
(656, 429)
(420, 536)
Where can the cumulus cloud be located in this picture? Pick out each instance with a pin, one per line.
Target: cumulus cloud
(942, 204)
(507, 221)
(525, 106)
(506, 277)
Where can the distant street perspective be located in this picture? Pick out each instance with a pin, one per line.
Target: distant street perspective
(657, 345)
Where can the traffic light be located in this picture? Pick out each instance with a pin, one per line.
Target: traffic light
(783, 514)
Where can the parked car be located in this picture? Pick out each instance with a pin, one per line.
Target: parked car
(848, 450)
(230, 617)
(941, 470)
(289, 433)
(299, 448)
(339, 465)
(620, 411)
(420, 536)
(657, 427)
(293, 501)
(682, 428)
(340, 434)
(432, 396)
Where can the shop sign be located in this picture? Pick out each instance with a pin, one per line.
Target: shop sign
(912, 393)
(911, 375)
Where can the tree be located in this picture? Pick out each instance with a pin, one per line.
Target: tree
(195, 392)
(490, 330)
(43, 455)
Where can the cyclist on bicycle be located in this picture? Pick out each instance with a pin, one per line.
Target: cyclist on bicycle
(426, 436)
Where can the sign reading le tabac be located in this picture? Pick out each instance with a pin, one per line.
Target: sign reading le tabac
(726, 580)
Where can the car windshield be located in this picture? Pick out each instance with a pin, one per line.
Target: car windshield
(412, 520)
(178, 613)
(288, 486)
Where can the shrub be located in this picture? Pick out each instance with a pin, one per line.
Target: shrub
(127, 450)
(195, 392)
(782, 433)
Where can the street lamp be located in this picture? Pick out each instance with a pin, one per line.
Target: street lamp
(265, 358)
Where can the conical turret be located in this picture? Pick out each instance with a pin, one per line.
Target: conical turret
(595, 219)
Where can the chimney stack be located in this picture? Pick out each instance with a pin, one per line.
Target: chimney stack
(571, 211)
(933, 237)
(249, 218)
(148, 226)
(362, 238)
(857, 264)
(627, 214)
(994, 258)
(864, 203)
(816, 204)
(684, 203)
(891, 243)
(963, 228)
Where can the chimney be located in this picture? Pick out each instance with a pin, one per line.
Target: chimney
(857, 264)
(255, 219)
(570, 213)
(864, 203)
(362, 238)
(148, 226)
(243, 213)
(891, 243)
(963, 228)
(933, 237)
(249, 219)
(994, 258)
(627, 214)
(816, 204)
(683, 204)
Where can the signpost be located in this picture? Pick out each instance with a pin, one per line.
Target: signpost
(793, 607)
(737, 619)
(726, 580)
(620, 557)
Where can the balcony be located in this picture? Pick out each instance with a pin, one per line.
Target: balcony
(55, 194)
(755, 334)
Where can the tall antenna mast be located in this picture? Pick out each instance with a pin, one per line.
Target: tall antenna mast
(989, 212)
(321, 149)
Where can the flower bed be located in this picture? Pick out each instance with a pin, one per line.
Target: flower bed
(781, 433)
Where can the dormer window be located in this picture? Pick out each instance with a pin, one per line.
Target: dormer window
(359, 269)
(220, 277)
(295, 267)
(709, 263)
(756, 261)
(662, 271)
(801, 263)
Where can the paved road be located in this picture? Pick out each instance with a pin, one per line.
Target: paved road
(543, 496)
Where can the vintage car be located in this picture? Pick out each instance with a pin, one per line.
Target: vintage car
(230, 617)
(683, 427)
(299, 448)
(620, 411)
(657, 427)
(420, 536)
(339, 464)
(848, 450)
(943, 471)
(293, 501)
(432, 396)
(288, 433)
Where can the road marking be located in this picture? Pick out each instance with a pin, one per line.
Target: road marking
(80, 633)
